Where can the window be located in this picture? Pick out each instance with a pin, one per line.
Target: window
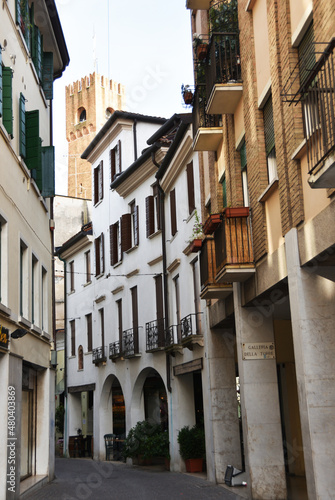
(3, 261)
(88, 266)
(224, 190)
(73, 337)
(306, 54)
(44, 315)
(269, 133)
(115, 161)
(115, 247)
(102, 328)
(177, 306)
(82, 115)
(134, 307)
(159, 308)
(310, 108)
(34, 291)
(89, 332)
(98, 183)
(71, 265)
(244, 173)
(119, 317)
(130, 228)
(23, 279)
(80, 358)
(7, 100)
(99, 255)
(152, 210)
(190, 187)
(134, 224)
(173, 215)
(24, 19)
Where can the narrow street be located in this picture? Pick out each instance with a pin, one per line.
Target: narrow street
(85, 479)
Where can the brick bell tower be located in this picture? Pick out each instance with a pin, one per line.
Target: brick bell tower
(89, 103)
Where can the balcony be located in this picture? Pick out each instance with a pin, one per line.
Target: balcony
(312, 82)
(155, 335)
(233, 247)
(191, 331)
(115, 351)
(130, 343)
(207, 128)
(210, 288)
(198, 4)
(173, 340)
(99, 355)
(223, 74)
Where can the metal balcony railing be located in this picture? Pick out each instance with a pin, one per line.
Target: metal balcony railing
(99, 355)
(155, 334)
(191, 325)
(223, 64)
(233, 243)
(199, 116)
(130, 342)
(172, 335)
(115, 350)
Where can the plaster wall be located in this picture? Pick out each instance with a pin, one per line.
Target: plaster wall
(261, 41)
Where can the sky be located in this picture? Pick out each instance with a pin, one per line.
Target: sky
(145, 45)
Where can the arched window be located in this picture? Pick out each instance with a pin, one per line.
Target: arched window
(80, 358)
(81, 115)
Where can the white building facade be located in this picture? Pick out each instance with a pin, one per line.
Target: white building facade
(33, 53)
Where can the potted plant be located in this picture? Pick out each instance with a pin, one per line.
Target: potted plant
(197, 234)
(192, 447)
(146, 441)
(187, 94)
(200, 47)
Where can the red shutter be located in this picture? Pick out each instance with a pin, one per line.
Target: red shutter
(112, 163)
(136, 226)
(190, 187)
(125, 232)
(149, 215)
(173, 212)
(113, 243)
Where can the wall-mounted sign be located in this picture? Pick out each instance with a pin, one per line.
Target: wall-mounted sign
(258, 350)
(4, 334)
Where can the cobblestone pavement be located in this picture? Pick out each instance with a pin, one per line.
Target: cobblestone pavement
(84, 479)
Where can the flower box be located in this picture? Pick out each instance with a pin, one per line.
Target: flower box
(196, 245)
(212, 223)
(236, 212)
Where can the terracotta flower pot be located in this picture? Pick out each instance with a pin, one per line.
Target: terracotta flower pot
(212, 223)
(237, 212)
(196, 245)
(202, 51)
(194, 464)
(188, 97)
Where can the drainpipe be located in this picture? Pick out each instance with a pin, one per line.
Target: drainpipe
(65, 437)
(165, 282)
(135, 139)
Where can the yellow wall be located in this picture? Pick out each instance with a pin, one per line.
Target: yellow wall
(299, 13)
(315, 200)
(259, 15)
(273, 222)
(238, 121)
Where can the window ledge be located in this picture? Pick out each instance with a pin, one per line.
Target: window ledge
(87, 283)
(98, 203)
(97, 277)
(87, 353)
(131, 249)
(5, 310)
(36, 329)
(173, 237)
(156, 233)
(298, 153)
(46, 335)
(71, 292)
(118, 264)
(25, 322)
(268, 190)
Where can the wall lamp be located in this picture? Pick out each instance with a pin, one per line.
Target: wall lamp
(19, 333)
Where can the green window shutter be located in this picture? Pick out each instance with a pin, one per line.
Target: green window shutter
(22, 125)
(33, 143)
(224, 191)
(7, 107)
(48, 171)
(48, 71)
(0, 80)
(306, 54)
(243, 155)
(269, 130)
(37, 51)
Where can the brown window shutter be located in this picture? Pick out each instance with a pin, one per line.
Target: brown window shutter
(119, 150)
(97, 256)
(112, 163)
(102, 252)
(113, 243)
(125, 232)
(89, 332)
(136, 226)
(149, 214)
(190, 187)
(173, 212)
(96, 185)
(101, 181)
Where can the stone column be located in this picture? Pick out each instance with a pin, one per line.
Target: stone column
(312, 301)
(263, 446)
(222, 398)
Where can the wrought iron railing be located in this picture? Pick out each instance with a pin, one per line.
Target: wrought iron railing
(99, 354)
(172, 335)
(130, 342)
(223, 64)
(233, 244)
(191, 325)
(155, 334)
(199, 116)
(115, 350)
